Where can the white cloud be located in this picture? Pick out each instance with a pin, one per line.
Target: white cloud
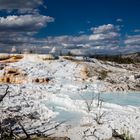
(119, 20)
(24, 22)
(105, 41)
(81, 32)
(108, 36)
(16, 31)
(20, 4)
(133, 40)
(104, 37)
(137, 30)
(132, 44)
(104, 29)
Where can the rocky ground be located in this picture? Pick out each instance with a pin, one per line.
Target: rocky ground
(45, 91)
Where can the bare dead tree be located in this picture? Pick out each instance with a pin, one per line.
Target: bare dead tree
(7, 131)
(6, 92)
(99, 115)
(92, 134)
(23, 129)
(89, 103)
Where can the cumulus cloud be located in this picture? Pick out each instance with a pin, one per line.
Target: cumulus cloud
(132, 40)
(108, 36)
(103, 39)
(20, 4)
(81, 45)
(24, 23)
(17, 31)
(104, 29)
(132, 44)
(23, 20)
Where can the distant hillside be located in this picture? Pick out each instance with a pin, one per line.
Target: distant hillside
(121, 58)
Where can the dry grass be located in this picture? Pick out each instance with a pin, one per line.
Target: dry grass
(84, 70)
(103, 74)
(68, 57)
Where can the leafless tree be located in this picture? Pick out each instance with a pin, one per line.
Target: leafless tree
(6, 92)
(8, 125)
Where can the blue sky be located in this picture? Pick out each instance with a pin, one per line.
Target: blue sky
(73, 16)
(82, 27)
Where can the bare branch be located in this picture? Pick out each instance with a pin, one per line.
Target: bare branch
(22, 127)
(3, 96)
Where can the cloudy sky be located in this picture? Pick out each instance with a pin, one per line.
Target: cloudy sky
(75, 26)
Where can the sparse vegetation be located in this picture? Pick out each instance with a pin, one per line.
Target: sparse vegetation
(102, 74)
(91, 104)
(120, 58)
(68, 57)
(117, 58)
(111, 81)
(124, 135)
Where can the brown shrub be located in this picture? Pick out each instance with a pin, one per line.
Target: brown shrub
(102, 74)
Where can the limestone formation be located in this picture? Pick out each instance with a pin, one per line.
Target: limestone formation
(10, 58)
(13, 75)
(47, 57)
